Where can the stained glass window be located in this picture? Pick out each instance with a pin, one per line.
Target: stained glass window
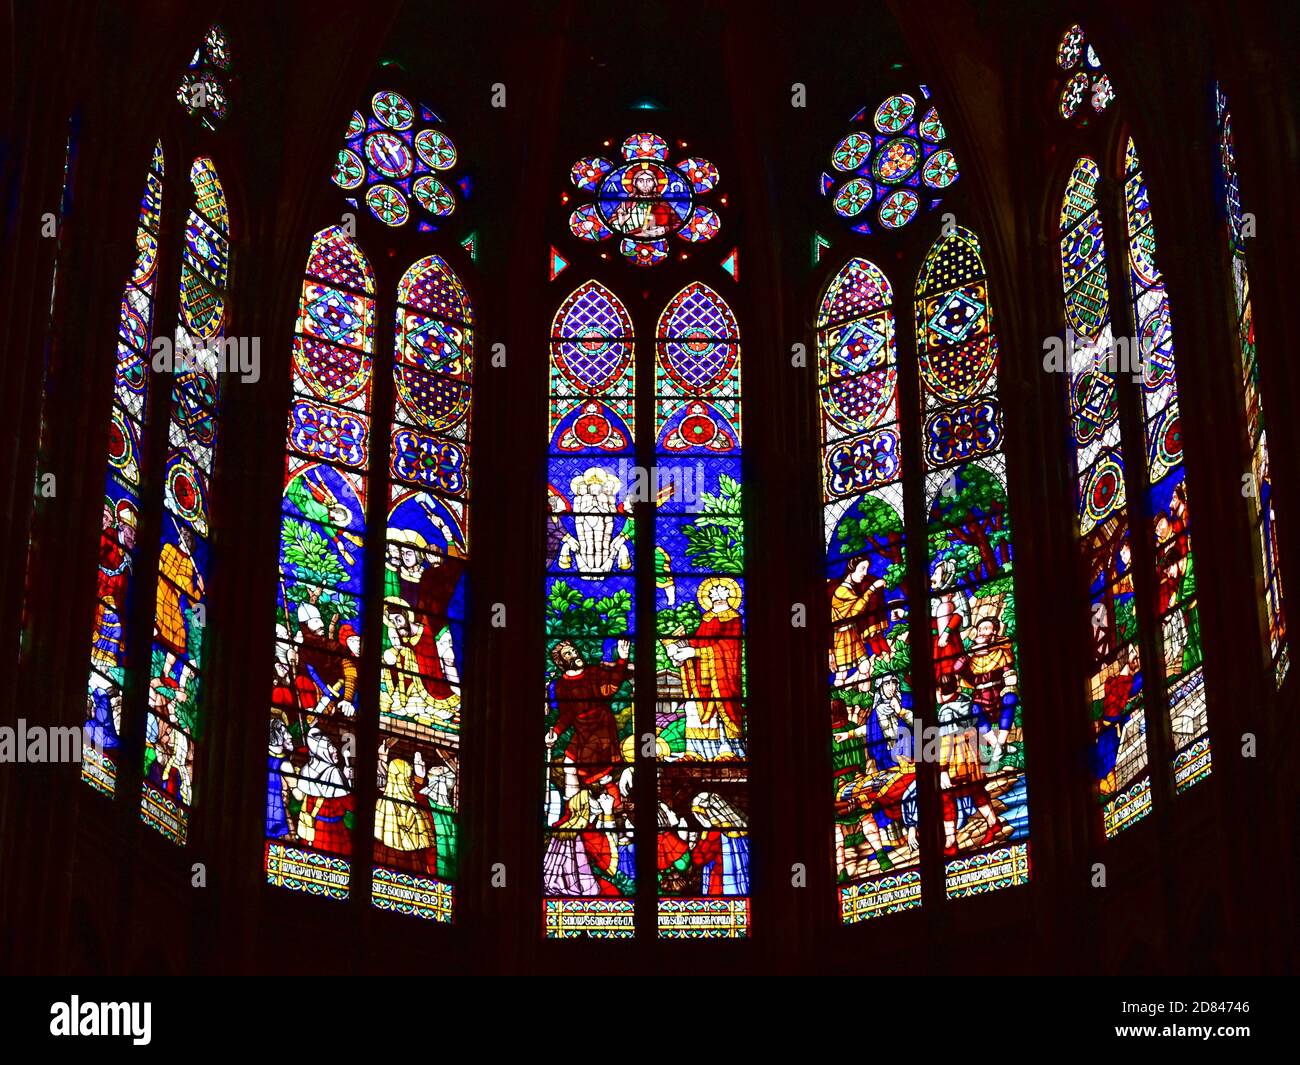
(312, 738)
(421, 481)
(894, 164)
(1263, 508)
(589, 867)
(112, 658)
(1177, 614)
(204, 88)
(173, 723)
(702, 796)
(877, 846)
(426, 554)
(866, 474)
(1086, 88)
(1116, 695)
(395, 154)
(644, 199)
(972, 594)
(684, 485)
(1144, 653)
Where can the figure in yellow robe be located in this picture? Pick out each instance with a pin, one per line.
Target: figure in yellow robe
(179, 579)
(859, 617)
(182, 579)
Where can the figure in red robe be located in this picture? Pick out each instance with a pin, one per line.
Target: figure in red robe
(325, 789)
(710, 664)
(116, 539)
(427, 588)
(582, 695)
(1171, 557)
(948, 647)
(643, 214)
(326, 675)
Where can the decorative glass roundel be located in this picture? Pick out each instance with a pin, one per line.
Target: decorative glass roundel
(1085, 81)
(436, 149)
(896, 160)
(202, 89)
(851, 152)
(895, 113)
(392, 109)
(349, 171)
(387, 204)
(434, 196)
(892, 166)
(899, 208)
(389, 158)
(388, 154)
(643, 199)
(854, 197)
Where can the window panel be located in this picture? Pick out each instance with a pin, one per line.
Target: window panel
(310, 805)
(589, 857)
(180, 618)
(877, 847)
(1123, 786)
(426, 563)
(1180, 627)
(985, 807)
(699, 557)
(112, 658)
(1261, 501)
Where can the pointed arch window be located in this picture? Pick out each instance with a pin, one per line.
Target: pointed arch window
(645, 586)
(1132, 501)
(702, 785)
(424, 609)
(1177, 612)
(1261, 500)
(882, 461)
(110, 652)
(1115, 685)
(374, 549)
(160, 465)
(309, 805)
(176, 669)
(972, 590)
(591, 596)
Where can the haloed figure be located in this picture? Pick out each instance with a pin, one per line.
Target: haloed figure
(644, 214)
(710, 667)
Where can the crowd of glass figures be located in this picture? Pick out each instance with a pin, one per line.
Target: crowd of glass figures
(874, 340)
